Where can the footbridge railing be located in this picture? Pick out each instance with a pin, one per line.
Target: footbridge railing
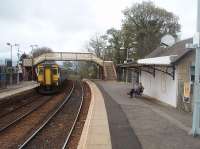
(67, 56)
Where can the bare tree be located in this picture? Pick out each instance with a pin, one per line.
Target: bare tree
(23, 56)
(97, 44)
(39, 51)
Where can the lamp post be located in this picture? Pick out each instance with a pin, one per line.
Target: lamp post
(196, 44)
(11, 72)
(130, 50)
(17, 45)
(32, 48)
(127, 52)
(127, 57)
(11, 46)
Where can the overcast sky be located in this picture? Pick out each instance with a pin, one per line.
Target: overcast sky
(67, 25)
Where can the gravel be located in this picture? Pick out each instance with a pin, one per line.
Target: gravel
(76, 134)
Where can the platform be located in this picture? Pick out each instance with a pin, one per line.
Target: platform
(139, 123)
(15, 89)
(96, 134)
(151, 125)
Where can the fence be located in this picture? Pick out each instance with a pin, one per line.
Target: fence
(8, 76)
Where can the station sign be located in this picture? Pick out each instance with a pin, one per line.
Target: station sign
(27, 62)
(186, 92)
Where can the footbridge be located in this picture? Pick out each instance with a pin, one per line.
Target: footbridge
(109, 71)
(67, 56)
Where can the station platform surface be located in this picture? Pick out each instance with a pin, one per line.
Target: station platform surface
(18, 88)
(95, 134)
(136, 122)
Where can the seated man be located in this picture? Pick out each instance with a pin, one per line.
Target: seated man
(140, 89)
(134, 90)
(137, 90)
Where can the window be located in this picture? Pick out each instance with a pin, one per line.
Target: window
(55, 71)
(192, 73)
(41, 71)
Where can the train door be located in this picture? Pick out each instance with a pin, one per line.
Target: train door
(48, 76)
(40, 74)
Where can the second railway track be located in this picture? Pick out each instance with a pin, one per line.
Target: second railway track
(19, 102)
(19, 113)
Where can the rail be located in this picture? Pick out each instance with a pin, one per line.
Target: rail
(74, 123)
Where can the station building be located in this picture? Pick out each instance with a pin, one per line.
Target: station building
(165, 74)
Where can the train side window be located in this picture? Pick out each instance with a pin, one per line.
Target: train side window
(55, 71)
(40, 71)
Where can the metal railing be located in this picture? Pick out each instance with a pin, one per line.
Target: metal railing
(5, 79)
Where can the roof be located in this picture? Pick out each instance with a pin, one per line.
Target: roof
(163, 60)
(164, 56)
(179, 49)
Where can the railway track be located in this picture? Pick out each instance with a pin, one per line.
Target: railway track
(17, 125)
(12, 117)
(75, 120)
(6, 108)
(56, 130)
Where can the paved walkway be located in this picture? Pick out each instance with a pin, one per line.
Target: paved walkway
(156, 126)
(122, 135)
(15, 89)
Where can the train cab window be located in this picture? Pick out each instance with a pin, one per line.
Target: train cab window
(55, 71)
(41, 71)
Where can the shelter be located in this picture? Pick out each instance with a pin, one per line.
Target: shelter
(165, 72)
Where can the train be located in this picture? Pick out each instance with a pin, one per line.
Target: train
(50, 76)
